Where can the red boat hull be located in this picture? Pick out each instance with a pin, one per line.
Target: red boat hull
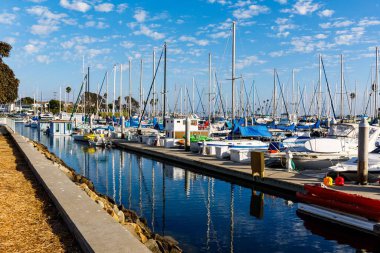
(339, 206)
(352, 199)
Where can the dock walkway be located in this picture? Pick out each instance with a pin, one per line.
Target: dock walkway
(274, 177)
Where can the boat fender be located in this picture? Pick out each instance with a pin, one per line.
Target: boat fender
(339, 181)
(328, 181)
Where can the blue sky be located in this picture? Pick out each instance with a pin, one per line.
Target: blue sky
(49, 39)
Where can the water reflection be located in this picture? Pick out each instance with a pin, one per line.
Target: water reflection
(203, 213)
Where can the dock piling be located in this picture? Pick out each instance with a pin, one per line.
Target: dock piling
(187, 136)
(257, 164)
(363, 152)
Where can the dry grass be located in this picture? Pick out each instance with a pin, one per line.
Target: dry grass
(29, 222)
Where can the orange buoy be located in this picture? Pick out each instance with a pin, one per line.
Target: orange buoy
(328, 181)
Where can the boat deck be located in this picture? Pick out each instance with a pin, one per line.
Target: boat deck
(274, 177)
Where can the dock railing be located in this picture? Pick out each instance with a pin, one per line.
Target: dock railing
(9, 122)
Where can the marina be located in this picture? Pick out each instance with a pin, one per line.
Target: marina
(237, 211)
(201, 126)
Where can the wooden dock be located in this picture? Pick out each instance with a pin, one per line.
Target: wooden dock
(277, 178)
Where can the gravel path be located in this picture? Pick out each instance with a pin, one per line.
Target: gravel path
(29, 222)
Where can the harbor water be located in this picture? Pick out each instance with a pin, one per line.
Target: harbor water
(203, 213)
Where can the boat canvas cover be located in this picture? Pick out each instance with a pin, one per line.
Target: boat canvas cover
(254, 131)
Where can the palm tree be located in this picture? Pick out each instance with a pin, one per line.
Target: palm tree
(353, 96)
(68, 90)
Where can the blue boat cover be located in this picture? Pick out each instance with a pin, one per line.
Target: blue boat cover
(254, 131)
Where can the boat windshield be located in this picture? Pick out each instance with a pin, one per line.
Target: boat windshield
(342, 130)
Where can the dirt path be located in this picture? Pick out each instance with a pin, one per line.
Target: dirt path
(29, 222)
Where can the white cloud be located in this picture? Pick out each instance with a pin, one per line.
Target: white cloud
(276, 53)
(95, 52)
(79, 40)
(321, 36)
(140, 15)
(326, 13)
(7, 18)
(36, 1)
(104, 7)
(30, 49)
(43, 59)
(10, 40)
(303, 7)
(76, 5)
(144, 30)
(336, 24)
(96, 24)
(127, 44)
(248, 61)
(222, 2)
(252, 10)
(349, 37)
(179, 21)
(43, 29)
(194, 40)
(284, 25)
(121, 7)
(368, 22)
(48, 21)
(282, 1)
(34, 46)
(219, 35)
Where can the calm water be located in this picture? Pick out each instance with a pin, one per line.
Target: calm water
(203, 213)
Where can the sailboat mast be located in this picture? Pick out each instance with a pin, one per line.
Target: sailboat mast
(233, 71)
(274, 94)
(107, 93)
(114, 90)
(121, 91)
(377, 80)
(60, 99)
(293, 103)
(164, 102)
(154, 83)
(130, 89)
(141, 78)
(341, 87)
(209, 87)
(319, 104)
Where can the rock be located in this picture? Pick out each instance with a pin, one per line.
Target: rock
(143, 238)
(93, 196)
(100, 203)
(153, 246)
(175, 249)
(114, 216)
(115, 209)
(172, 242)
(131, 229)
(121, 216)
(159, 243)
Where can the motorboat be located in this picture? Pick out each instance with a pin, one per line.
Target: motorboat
(340, 145)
